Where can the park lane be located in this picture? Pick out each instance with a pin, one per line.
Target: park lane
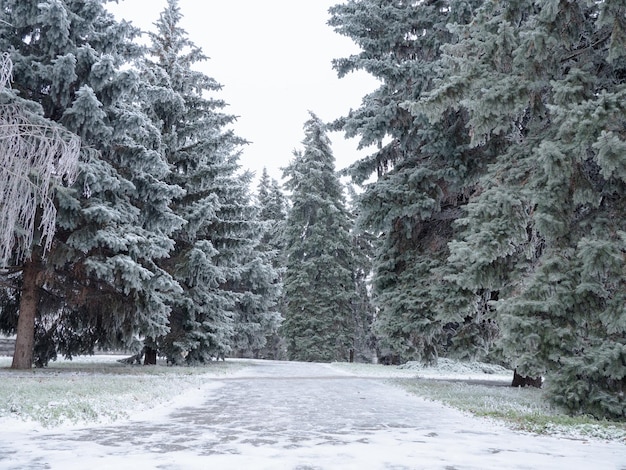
(279, 415)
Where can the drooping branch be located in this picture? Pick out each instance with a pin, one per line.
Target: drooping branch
(34, 155)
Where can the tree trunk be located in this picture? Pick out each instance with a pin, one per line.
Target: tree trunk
(150, 356)
(522, 381)
(25, 339)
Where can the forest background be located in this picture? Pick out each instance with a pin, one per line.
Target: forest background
(493, 229)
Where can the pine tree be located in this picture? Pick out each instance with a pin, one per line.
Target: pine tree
(227, 297)
(258, 282)
(546, 228)
(425, 173)
(100, 285)
(319, 279)
(272, 207)
(363, 246)
(273, 210)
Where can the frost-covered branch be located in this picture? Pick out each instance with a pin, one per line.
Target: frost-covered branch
(33, 157)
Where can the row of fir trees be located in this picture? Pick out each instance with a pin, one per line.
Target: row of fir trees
(499, 204)
(490, 223)
(156, 246)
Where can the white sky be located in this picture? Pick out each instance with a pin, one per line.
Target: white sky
(274, 59)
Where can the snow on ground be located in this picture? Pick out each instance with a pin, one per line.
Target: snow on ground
(98, 389)
(445, 369)
(275, 415)
(473, 387)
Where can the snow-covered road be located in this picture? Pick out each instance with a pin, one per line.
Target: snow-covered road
(280, 415)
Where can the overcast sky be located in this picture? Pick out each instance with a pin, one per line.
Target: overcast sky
(273, 58)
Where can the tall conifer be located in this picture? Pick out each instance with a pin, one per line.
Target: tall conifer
(424, 171)
(319, 280)
(100, 285)
(272, 206)
(228, 286)
(546, 228)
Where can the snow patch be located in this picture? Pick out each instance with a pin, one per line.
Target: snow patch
(445, 369)
(450, 368)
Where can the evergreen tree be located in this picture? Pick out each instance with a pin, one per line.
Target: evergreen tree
(273, 211)
(263, 193)
(100, 285)
(272, 206)
(319, 279)
(425, 173)
(252, 281)
(228, 286)
(546, 227)
(363, 245)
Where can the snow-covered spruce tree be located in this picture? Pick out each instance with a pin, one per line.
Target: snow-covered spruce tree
(425, 173)
(547, 228)
(228, 285)
(273, 210)
(272, 206)
(363, 243)
(254, 279)
(319, 279)
(100, 285)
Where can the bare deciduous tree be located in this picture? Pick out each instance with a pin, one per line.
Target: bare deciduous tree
(33, 156)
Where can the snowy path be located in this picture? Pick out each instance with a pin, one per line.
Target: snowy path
(279, 415)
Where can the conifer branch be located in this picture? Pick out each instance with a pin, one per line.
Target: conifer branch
(582, 50)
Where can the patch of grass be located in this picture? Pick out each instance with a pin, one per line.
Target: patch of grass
(92, 391)
(526, 409)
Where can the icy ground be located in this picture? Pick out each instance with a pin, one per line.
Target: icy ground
(278, 415)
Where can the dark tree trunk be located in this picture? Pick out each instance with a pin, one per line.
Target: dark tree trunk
(29, 298)
(522, 381)
(150, 357)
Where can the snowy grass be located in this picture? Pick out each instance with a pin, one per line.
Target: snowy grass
(525, 409)
(96, 389)
(483, 390)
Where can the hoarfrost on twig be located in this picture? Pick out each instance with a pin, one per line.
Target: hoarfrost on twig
(34, 154)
